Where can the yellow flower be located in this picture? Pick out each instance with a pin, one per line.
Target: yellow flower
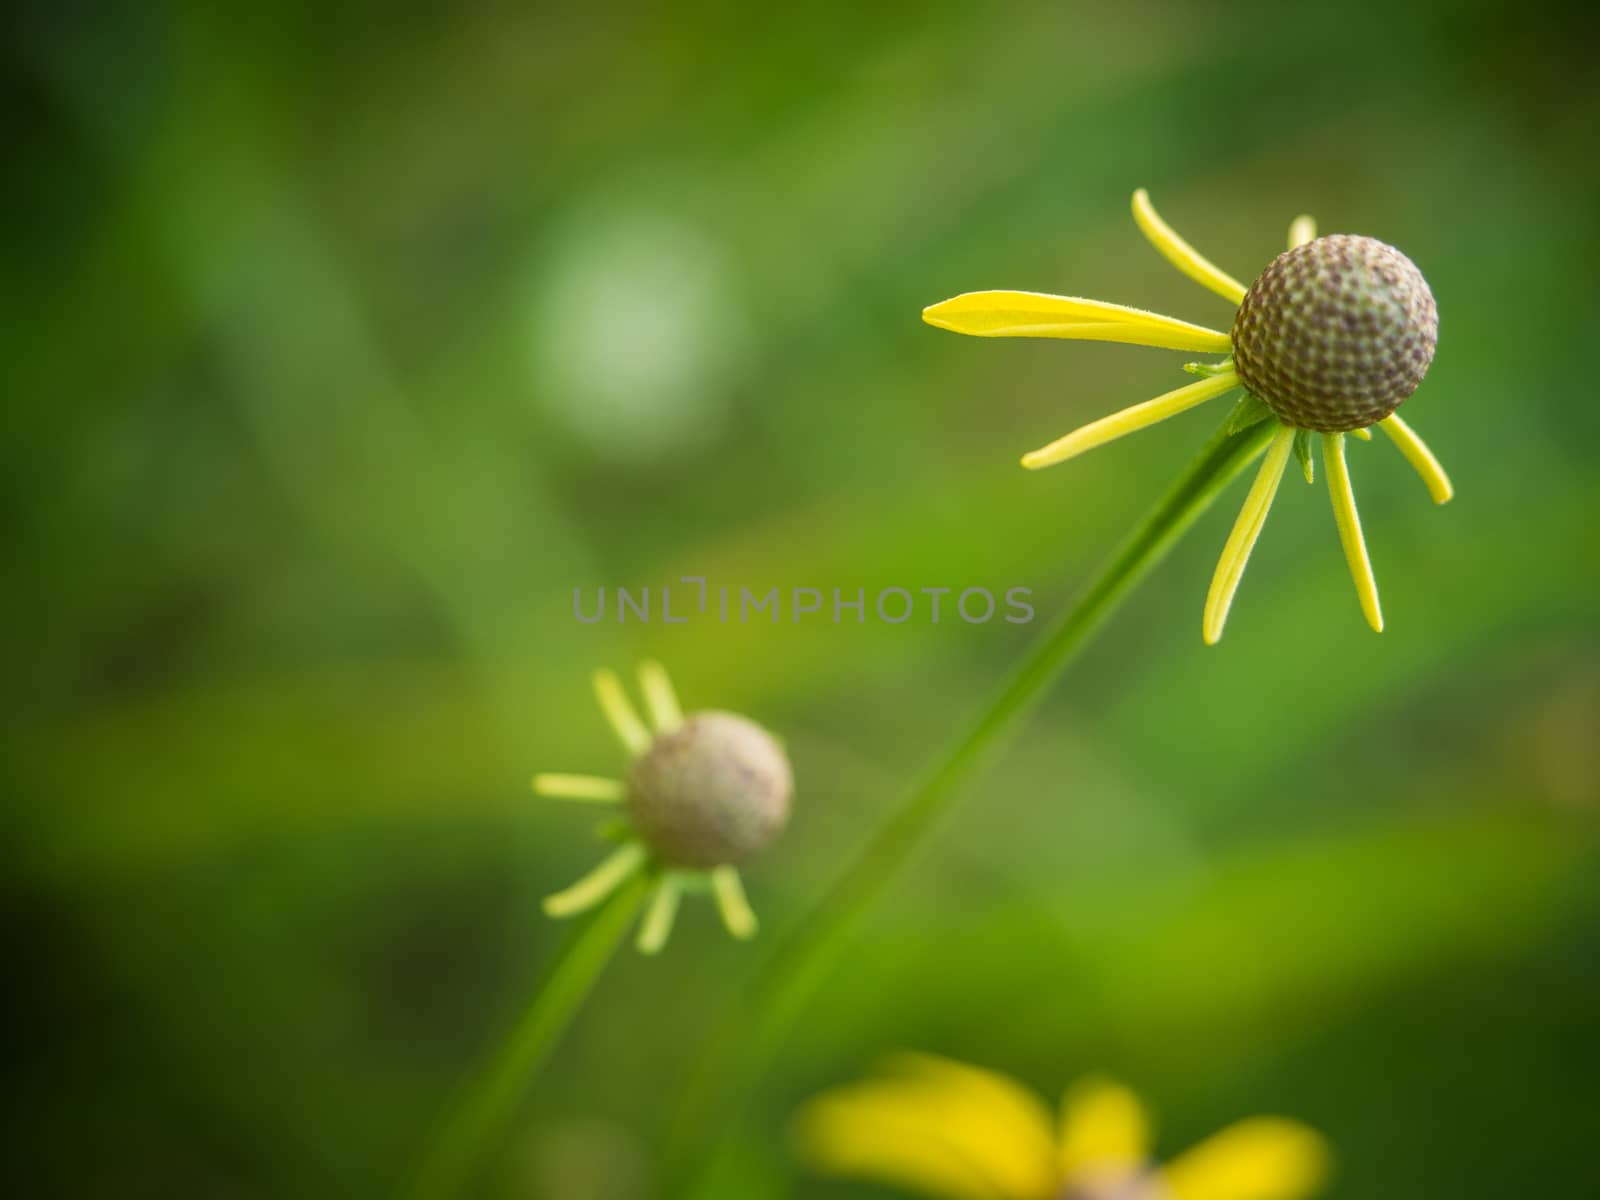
(1332, 336)
(945, 1129)
(703, 793)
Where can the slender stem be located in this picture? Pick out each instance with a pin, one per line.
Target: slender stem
(745, 1043)
(489, 1102)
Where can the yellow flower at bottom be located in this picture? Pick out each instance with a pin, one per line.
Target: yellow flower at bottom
(1333, 335)
(944, 1129)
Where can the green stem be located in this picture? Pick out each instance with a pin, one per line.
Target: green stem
(490, 1101)
(745, 1045)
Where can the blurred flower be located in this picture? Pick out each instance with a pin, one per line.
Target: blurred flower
(1329, 339)
(945, 1129)
(704, 792)
(636, 333)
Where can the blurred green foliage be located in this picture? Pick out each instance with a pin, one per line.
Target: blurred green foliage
(344, 342)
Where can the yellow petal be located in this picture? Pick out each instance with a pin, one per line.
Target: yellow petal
(844, 1134)
(594, 789)
(659, 698)
(1103, 1127)
(1420, 458)
(1180, 253)
(997, 1130)
(1242, 540)
(619, 714)
(1129, 420)
(599, 883)
(1038, 314)
(736, 912)
(1263, 1158)
(1302, 229)
(656, 927)
(1348, 520)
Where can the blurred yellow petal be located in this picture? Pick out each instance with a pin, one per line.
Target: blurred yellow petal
(736, 912)
(656, 927)
(996, 1128)
(853, 1135)
(1017, 1121)
(1103, 1126)
(665, 713)
(595, 789)
(842, 1133)
(599, 883)
(1264, 1158)
(1038, 314)
(619, 714)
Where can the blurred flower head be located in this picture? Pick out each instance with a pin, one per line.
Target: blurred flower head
(1331, 338)
(703, 793)
(636, 330)
(941, 1128)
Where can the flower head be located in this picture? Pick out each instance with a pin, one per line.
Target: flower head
(1330, 339)
(703, 793)
(941, 1128)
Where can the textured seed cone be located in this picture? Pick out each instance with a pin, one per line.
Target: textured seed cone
(1336, 333)
(712, 793)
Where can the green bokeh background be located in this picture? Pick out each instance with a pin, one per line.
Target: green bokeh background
(343, 343)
